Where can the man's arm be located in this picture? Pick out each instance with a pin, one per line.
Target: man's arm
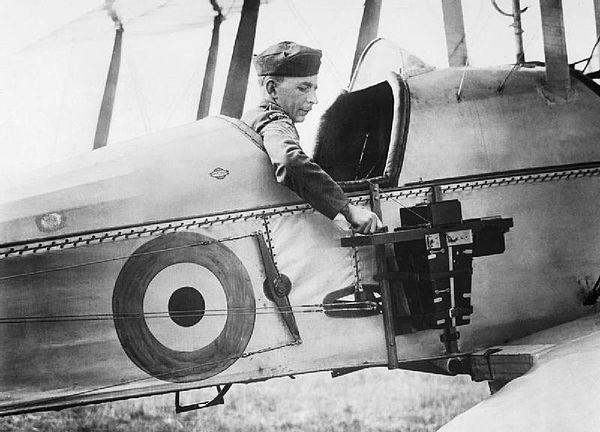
(297, 171)
(294, 169)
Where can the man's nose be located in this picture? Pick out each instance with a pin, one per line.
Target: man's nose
(312, 97)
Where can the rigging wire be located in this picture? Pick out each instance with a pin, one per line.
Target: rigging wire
(56, 32)
(141, 100)
(121, 257)
(147, 12)
(164, 314)
(482, 23)
(185, 90)
(310, 32)
(63, 94)
(589, 59)
(233, 311)
(362, 155)
(139, 94)
(502, 85)
(462, 80)
(411, 211)
(226, 14)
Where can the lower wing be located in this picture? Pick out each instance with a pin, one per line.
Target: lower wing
(559, 392)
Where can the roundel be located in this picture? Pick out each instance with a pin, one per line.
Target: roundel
(184, 308)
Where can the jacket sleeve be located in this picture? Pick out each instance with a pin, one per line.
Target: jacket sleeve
(296, 170)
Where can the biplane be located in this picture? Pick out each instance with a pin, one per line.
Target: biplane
(177, 262)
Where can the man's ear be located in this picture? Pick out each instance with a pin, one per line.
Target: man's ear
(271, 87)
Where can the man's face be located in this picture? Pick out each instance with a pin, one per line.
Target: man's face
(296, 95)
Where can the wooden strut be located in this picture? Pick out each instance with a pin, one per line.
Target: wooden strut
(380, 256)
(558, 78)
(110, 89)
(239, 69)
(454, 27)
(211, 64)
(368, 29)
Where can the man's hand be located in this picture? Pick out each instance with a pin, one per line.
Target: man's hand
(362, 220)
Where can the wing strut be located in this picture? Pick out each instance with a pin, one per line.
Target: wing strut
(454, 27)
(237, 78)
(108, 100)
(368, 29)
(211, 63)
(555, 48)
(380, 255)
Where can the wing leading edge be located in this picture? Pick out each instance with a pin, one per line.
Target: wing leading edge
(558, 393)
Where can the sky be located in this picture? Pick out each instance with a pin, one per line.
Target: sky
(54, 58)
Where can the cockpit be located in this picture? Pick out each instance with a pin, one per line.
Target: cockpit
(356, 140)
(362, 135)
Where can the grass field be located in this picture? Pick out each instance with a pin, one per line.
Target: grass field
(370, 400)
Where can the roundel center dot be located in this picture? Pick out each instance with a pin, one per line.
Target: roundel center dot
(186, 306)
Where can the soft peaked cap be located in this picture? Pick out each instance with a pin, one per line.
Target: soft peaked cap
(288, 59)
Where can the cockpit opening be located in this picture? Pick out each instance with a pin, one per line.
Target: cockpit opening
(362, 136)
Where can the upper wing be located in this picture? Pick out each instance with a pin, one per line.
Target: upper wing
(559, 393)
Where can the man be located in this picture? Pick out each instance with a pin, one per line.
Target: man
(288, 77)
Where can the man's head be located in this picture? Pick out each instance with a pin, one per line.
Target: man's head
(288, 76)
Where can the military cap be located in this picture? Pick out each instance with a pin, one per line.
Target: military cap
(288, 59)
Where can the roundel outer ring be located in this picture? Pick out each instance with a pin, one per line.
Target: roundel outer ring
(137, 340)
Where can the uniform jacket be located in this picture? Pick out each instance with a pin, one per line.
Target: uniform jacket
(292, 167)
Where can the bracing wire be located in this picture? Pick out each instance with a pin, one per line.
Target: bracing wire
(589, 59)
(122, 257)
(462, 80)
(185, 89)
(233, 311)
(502, 85)
(312, 308)
(311, 32)
(141, 101)
(149, 11)
(54, 33)
(226, 14)
(411, 210)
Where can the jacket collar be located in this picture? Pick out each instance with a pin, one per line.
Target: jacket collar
(271, 106)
